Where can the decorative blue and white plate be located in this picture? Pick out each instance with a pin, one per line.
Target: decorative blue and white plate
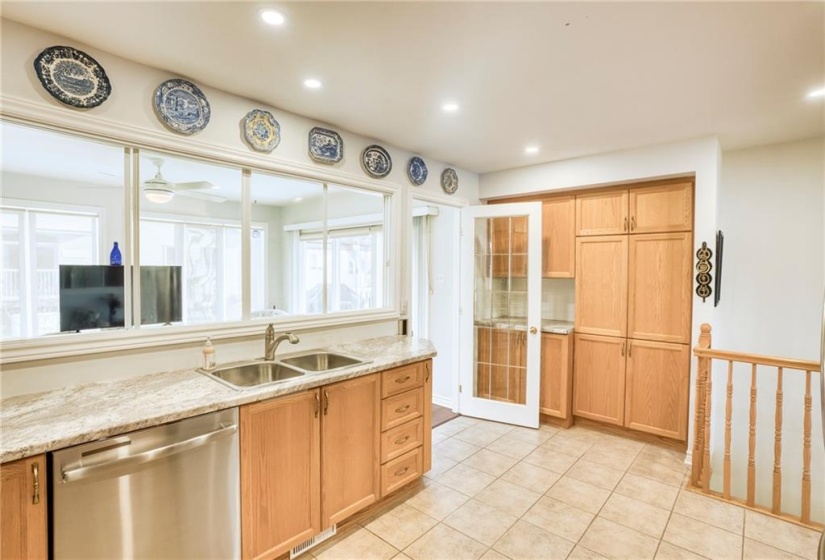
(325, 146)
(261, 131)
(182, 106)
(72, 77)
(376, 161)
(449, 180)
(417, 171)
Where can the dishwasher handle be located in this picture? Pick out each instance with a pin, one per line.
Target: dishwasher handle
(80, 473)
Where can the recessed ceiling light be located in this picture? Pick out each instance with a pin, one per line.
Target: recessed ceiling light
(272, 17)
(450, 107)
(532, 149)
(312, 83)
(816, 93)
(297, 199)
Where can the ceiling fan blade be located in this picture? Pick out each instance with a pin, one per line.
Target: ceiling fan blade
(101, 187)
(201, 196)
(194, 186)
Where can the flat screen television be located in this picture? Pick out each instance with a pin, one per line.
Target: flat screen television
(92, 296)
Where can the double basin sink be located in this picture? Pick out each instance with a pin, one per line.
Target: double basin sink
(261, 372)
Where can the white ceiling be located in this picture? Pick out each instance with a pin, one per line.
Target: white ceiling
(574, 79)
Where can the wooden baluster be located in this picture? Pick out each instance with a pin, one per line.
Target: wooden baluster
(806, 454)
(777, 447)
(699, 418)
(706, 455)
(728, 409)
(752, 442)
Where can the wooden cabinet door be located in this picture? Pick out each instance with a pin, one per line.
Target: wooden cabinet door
(601, 285)
(603, 213)
(23, 507)
(428, 416)
(599, 378)
(280, 474)
(559, 237)
(658, 385)
(556, 375)
(661, 208)
(350, 447)
(659, 287)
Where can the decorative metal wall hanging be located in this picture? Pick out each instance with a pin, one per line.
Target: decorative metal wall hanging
(720, 245)
(72, 77)
(703, 268)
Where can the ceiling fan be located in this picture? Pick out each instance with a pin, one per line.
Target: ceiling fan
(159, 190)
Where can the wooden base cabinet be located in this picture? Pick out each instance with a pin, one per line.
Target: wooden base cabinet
(23, 507)
(599, 386)
(556, 375)
(657, 388)
(280, 474)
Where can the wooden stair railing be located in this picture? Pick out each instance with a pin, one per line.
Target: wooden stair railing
(701, 456)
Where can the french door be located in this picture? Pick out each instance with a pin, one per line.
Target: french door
(501, 312)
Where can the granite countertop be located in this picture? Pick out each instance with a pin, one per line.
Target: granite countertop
(41, 422)
(551, 326)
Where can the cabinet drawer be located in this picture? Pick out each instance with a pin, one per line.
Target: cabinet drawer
(398, 441)
(400, 379)
(400, 471)
(402, 408)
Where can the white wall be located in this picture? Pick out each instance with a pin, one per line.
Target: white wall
(128, 116)
(772, 212)
(700, 158)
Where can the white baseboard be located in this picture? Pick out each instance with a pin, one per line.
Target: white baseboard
(689, 458)
(445, 401)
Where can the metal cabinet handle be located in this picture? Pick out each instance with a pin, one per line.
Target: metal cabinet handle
(402, 379)
(402, 408)
(427, 366)
(317, 404)
(632, 223)
(623, 349)
(630, 349)
(401, 440)
(399, 472)
(326, 402)
(624, 227)
(36, 483)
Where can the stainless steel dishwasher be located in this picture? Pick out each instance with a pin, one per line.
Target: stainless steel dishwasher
(168, 492)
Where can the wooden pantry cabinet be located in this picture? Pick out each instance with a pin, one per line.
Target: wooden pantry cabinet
(556, 376)
(599, 378)
(601, 285)
(23, 509)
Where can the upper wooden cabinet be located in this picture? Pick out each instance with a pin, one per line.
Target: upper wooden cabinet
(556, 375)
(658, 386)
(599, 389)
(280, 474)
(661, 208)
(23, 507)
(559, 237)
(659, 291)
(601, 285)
(350, 447)
(602, 213)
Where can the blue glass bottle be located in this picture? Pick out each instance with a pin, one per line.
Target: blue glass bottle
(115, 258)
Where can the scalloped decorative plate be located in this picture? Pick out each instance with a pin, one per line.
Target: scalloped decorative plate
(417, 171)
(325, 146)
(449, 180)
(261, 131)
(376, 161)
(72, 77)
(182, 106)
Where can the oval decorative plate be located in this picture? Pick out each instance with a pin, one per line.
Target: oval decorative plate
(449, 180)
(182, 106)
(376, 161)
(261, 131)
(417, 171)
(325, 146)
(72, 77)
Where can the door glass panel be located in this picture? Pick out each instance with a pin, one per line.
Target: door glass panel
(500, 309)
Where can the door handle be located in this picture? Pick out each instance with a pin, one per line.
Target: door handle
(533, 330)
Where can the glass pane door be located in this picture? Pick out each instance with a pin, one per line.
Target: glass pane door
(502, 251)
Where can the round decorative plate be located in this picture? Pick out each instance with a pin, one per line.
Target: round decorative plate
(261, 131)
(182, 106)
(417, 171)
(376, 161)
(72, 77)
(325, 146)
(449, 180)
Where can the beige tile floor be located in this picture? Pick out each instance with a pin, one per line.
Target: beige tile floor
(501, 492)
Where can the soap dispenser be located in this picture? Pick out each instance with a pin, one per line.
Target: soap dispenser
(209, 362)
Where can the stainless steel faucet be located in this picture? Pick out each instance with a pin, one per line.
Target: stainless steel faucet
(271, 342)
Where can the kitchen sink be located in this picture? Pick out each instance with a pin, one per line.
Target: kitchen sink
(315, 362)
(252, 374)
